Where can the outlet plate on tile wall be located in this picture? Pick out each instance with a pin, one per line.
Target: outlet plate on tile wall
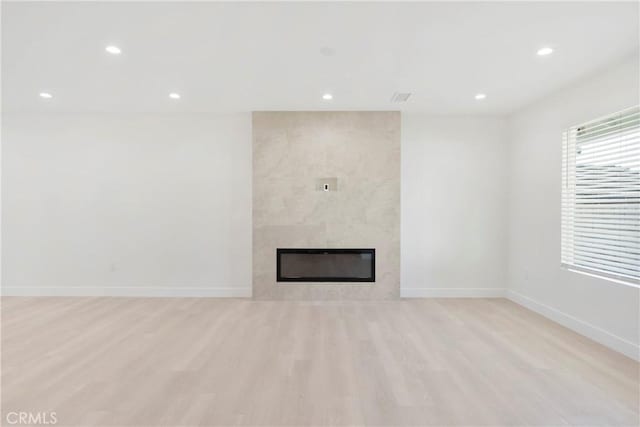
(327, 184)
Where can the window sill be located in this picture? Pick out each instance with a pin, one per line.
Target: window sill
(597, 275)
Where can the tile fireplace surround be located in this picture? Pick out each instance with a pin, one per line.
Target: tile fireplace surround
(358, 153)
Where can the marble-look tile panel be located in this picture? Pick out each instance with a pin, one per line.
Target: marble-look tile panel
(291, 151)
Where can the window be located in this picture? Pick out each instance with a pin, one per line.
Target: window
(601, 197)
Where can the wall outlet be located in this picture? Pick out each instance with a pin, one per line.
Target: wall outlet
(327, 184)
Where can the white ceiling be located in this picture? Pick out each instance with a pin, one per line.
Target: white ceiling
(273, 56)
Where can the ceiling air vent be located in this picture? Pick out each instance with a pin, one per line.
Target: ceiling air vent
(400, 97)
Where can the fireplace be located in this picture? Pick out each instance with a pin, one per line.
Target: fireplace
(326, 265)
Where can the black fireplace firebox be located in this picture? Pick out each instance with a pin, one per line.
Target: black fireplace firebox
(326, 265)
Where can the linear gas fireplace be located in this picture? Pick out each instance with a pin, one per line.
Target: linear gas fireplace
(326, 265)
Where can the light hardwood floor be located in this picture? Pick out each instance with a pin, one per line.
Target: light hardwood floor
(144, 361)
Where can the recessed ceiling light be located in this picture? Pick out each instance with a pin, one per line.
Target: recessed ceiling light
(45, 95)
(174, 95)
(545, 51)
(327, 97)
(481, 96)
(114, 50)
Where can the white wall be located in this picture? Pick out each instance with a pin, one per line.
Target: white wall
(604, 310)
(454, 201)
(143, 204)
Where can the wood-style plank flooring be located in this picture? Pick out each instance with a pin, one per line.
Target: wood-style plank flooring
(225, 362)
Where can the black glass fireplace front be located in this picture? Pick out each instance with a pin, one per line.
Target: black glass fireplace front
(326, 265)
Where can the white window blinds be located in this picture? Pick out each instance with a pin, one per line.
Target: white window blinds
(601, 196)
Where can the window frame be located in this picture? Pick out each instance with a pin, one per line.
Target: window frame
(565, 178)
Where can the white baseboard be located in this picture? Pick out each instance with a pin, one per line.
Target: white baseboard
(83, 291)
(598, 335)
(452, 292)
